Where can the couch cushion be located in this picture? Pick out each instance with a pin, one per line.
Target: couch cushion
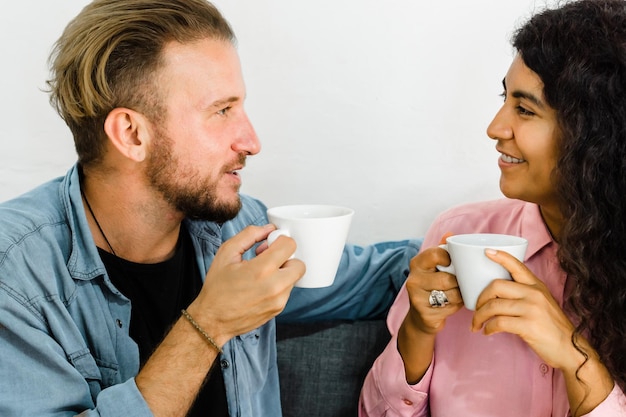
(322, 365)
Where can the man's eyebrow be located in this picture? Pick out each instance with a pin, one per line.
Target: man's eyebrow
(525, 95)
(223, 102)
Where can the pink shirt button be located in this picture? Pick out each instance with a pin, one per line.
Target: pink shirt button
(544, 368)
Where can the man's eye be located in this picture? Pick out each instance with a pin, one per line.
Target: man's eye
(224, 111)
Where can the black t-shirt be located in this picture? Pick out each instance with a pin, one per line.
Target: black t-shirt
(158, 292)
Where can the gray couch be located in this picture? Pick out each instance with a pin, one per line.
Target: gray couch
(322, 365)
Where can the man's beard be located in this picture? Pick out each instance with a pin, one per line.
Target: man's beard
(183, 188)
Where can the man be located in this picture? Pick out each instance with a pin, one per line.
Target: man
(96, 267)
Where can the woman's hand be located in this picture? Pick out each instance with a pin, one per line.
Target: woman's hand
(525, 307)
(424, 278)
(416, 336)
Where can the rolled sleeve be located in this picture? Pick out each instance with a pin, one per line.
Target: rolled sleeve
(367, 281)
(385, 390)
(121, 400)
(613, 406)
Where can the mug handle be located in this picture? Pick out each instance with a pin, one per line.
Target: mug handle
(274, 235)
(449, 269)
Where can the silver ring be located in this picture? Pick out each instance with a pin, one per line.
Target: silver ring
(438, 299)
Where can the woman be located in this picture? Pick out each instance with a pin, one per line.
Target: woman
(552, 341)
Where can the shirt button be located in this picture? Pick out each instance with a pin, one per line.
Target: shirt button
(224, 364)
(544, 368)
(407, 401)
(119, 323)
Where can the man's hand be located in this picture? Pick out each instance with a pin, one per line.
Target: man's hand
(237, 297)
(240, 295)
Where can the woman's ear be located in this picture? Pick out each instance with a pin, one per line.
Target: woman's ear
(128, 132)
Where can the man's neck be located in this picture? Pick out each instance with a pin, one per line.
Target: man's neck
(127, 220)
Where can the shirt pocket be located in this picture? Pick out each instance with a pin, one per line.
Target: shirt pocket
(97, 374)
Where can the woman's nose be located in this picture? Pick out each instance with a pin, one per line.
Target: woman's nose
(500, 128)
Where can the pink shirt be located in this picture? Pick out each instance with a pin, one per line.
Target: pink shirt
(473, 375)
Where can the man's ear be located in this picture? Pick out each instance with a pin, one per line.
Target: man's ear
(128, 132)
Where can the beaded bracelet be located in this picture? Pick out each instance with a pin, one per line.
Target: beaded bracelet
(208, 338)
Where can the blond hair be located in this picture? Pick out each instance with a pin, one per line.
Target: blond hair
(108, 55)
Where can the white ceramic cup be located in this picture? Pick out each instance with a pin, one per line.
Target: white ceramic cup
(473, 270)
(320, 232)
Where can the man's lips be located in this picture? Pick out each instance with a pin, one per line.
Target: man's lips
(236, 166)
(233, 173)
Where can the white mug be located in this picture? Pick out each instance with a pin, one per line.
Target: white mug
(320, 232)
(473, 270)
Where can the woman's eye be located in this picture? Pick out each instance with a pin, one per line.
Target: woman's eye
(524, 112)
(503, 95)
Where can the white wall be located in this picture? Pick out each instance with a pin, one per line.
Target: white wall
(380, 106)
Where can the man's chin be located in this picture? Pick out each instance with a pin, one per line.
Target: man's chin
(217, 212)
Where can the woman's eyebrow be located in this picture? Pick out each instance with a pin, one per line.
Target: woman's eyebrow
(525, 95)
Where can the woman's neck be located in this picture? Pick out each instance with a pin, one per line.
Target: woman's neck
(553, 218)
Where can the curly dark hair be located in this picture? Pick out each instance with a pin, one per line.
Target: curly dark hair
(579, 52)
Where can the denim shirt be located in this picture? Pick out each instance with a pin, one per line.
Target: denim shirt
(64, 344)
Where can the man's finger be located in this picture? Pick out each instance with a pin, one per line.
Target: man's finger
(237, 245)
